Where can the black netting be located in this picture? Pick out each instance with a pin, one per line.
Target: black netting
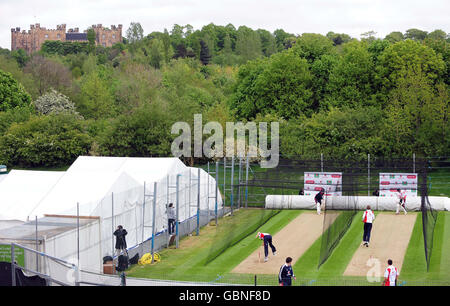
(429, 218)
(359, 178)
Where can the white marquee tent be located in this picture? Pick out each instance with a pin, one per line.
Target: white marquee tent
(110, 186)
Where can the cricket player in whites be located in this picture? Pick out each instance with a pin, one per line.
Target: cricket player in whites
(401, 201)
(267, 241)
(390, 275)
(367, 218)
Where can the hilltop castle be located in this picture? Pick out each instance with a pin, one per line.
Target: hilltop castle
(32, 40)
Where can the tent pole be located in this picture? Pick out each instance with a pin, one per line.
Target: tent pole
(198, 201)
(13, 266)
(78, 233)
(112, 222)
(143, 220)
(217, 188)
(178, 211)
(37, 245)
(154, 219)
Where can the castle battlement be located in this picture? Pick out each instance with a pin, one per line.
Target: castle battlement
(32, 40)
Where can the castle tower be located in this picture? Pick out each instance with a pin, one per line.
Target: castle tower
(32, 40)
(107, 37)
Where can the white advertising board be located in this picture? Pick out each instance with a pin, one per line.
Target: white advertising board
(330, 181)
(390, 182)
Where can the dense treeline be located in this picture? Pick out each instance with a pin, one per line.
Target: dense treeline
(332, 94)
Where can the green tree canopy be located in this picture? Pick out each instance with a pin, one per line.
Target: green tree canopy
(12, 93)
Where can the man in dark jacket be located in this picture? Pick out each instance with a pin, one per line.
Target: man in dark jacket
(171, 216)
(286, 273)
(121, 243)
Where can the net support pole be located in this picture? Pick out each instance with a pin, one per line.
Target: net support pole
(321, 162)
(246, 181)
(198, 201)
(217, 190)
(368, 175)
(232, 185)
(188, 207)
(167, 206)
(224, 179)
(177, 211)
(239, 183)
(427, 236)
(154, 219)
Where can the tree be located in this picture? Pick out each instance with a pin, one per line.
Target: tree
(415, 34)
(438, 35)
(248, 44)
(268, 42)
(341, 133)
(12, 93)
(351, 79)
(20, 56)
(145, 132)
(54, 102)
(368, 36)
(312, 46)
(48, 74)
(401, 57)
(96, 100)
(44, 141)
(135, 32)
(91, 37)
(279, 85)
(417, 117)
(338, 39)
(156, 53)
(205, 55)
(394, 37)
(280, 38)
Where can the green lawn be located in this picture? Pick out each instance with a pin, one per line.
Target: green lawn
(189, 261)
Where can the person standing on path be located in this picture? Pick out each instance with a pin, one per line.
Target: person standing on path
(367, 218)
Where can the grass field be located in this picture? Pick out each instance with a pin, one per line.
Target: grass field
(188, 262)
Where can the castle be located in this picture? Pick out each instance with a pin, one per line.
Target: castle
(32, 40)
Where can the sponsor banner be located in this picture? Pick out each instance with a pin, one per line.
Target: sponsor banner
(5, 254)
(330, 181)
(390, 182)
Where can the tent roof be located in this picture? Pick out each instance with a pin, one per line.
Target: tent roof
(48, 226)
(91, 178)
(21, 190)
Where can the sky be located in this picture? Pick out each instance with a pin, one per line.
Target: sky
(352, 17)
